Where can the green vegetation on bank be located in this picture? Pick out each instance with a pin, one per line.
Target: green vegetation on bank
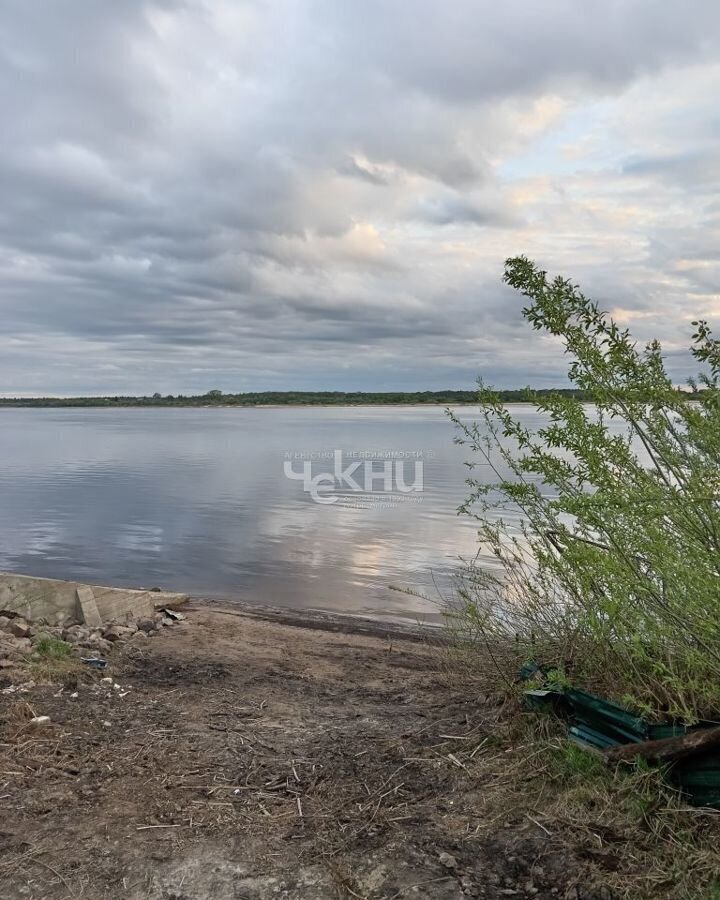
(603, 522)
(613, 577)
(285, 398)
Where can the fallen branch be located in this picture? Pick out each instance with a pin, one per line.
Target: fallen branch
(666, 749)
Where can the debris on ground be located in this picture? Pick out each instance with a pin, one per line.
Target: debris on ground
(247, 758)
(21, 639)
(40, 721)
(94, 661)
(691, 754)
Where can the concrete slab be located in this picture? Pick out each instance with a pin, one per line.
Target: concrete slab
(55, 601)
(89, 613)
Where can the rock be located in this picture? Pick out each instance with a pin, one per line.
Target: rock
(140, 637)
(75, 634)
(98, 644)
(4, 623)
(447, 860)
(146, 625)
(117, 633)
(19, 628)
(14, 647)
(6, 664)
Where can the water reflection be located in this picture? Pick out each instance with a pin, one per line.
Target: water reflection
(196, 500)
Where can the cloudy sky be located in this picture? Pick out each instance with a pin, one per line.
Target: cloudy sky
(320, 194)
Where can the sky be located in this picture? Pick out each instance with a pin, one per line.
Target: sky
(320, 194)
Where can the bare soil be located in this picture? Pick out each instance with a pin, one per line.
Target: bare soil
(254, 759)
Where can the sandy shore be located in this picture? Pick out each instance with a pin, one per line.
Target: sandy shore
(250, 754)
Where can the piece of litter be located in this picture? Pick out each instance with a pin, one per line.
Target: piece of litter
(173, 614)
(96, 663)
(21, 688)
(106, 680)
(40, 721)
(74, 696)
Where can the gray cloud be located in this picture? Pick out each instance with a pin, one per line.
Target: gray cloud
(248, 195)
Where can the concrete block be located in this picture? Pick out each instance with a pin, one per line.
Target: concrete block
(57, 601)
(88, 608)
(117, 606)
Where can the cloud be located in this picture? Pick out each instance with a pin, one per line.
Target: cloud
(249, 195)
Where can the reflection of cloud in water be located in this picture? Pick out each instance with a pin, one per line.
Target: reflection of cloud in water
(197, 500)
(142, 539)
(35, 541)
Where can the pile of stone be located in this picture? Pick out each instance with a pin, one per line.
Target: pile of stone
(18, 636)
(15, 640)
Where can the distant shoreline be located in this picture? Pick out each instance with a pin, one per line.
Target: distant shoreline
(259, 405)
(277, 400)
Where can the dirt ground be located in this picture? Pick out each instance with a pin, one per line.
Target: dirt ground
(246, 758)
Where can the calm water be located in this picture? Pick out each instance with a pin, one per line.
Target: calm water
(198, 501)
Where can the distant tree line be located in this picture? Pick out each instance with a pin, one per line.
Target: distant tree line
(284, 398)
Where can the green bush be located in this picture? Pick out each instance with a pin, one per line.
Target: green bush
(613, 575)
(48, 647)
